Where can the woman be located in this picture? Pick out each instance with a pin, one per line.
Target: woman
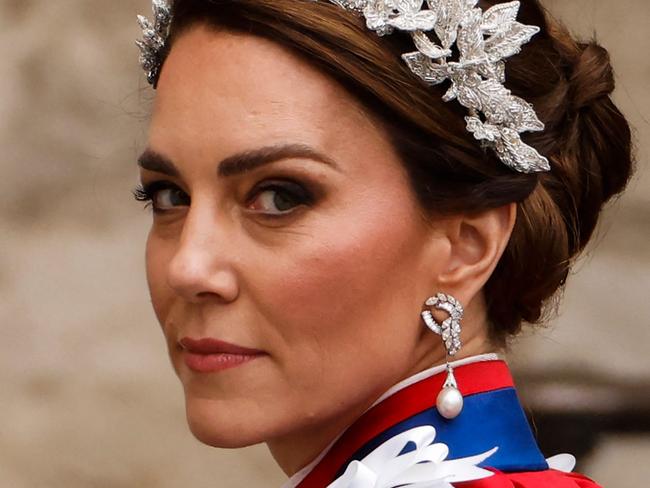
(322, 216)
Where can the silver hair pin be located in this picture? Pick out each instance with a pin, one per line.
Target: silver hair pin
(483, 40)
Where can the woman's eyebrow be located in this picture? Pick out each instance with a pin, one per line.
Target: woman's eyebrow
(249, 160)
(240, 162)
(154, 161)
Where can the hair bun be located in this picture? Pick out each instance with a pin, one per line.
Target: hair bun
(592, 77)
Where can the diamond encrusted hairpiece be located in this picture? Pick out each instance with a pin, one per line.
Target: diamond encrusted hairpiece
(154, 39)
(483, 40)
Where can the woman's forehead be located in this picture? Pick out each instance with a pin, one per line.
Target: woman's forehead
(227, 91)
(209, 72)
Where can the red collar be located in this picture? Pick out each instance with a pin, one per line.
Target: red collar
(472, 378)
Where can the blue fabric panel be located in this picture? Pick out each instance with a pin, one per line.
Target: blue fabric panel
(489, 419)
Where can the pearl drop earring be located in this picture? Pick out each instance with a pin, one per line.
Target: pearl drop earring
(450, 400)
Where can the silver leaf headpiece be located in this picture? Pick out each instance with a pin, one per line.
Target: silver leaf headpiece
(483, 40)
(154, 39)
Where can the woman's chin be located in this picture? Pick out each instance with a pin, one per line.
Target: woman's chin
(216, 426)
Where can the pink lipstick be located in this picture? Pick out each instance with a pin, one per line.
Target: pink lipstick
(208, 355)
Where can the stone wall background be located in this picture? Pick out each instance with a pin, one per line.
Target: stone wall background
(87, 396)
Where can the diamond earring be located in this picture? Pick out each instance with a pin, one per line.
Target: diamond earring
(450, 400)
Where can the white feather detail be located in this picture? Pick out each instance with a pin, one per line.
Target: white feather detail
(425, 466)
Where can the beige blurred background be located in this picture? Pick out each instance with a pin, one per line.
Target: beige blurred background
(87, 397)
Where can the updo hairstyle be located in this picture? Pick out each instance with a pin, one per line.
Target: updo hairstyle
(587, 140)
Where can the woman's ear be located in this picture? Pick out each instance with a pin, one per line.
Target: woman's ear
(476, 243)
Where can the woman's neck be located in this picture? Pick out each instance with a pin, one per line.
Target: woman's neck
(298, 449)
(304, 447)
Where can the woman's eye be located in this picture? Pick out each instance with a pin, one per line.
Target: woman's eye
(270, 198)
(162, 196)
(279, 198)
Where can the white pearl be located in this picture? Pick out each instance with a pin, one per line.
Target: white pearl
(449, 402)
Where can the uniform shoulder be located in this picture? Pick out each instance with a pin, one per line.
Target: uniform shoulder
(549, 478)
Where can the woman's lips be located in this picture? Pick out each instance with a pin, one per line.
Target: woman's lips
(208, 355)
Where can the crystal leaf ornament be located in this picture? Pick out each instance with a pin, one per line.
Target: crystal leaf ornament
(450, 327)
(154, 38)
(483, 41)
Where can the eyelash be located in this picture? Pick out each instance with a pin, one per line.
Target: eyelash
(147, 192)
(297, 192)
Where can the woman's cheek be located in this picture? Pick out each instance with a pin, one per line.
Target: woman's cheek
(157, 257)
(328, 291)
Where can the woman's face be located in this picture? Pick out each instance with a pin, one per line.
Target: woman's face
(285, 223)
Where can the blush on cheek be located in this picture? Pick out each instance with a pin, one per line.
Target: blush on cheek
(341, 282)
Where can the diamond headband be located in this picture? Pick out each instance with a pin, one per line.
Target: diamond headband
(483, 41)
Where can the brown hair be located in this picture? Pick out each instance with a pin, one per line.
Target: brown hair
(587, 139)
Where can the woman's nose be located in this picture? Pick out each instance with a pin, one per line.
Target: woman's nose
(201, 267)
